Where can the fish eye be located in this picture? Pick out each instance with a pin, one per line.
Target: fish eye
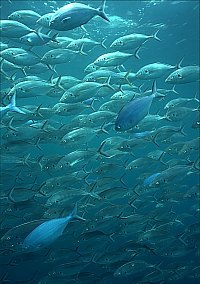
(146, 71)
(51, 55)
(179, 75)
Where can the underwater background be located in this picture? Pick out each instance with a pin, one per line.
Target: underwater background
(162, 220)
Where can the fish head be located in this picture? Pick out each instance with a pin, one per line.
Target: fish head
(8, 53)
(90, 68)
(143, 73)
(175, 77)
(49, 57)
(66, 97)
(169, 105)
(117, 43)
(89, 78)
(45, 19)
(172, 115)
(14, 16)
(73, 46)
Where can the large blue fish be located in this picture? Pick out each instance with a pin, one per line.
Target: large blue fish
(133, 112)
(48, 232)
(74, 15)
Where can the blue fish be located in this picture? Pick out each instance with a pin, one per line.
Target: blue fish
(133, 112)
(10, 107)
(48, 232)
(74, 15)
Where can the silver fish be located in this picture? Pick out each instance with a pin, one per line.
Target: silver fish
(74, 15)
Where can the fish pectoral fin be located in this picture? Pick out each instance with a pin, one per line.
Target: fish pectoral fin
(65, 20)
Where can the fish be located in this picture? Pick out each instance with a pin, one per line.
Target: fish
(84, 91)
(13, 29)
(155, 70)
(85, 43)
(101, 76)
(133, 112)
(32, 88)
(33, 39)
(180, 101)
(61, 42)
(75, 15)
(48, 232)
(113, 59)
(20, 56)
(58, 56)
(26, 17)
(178, 113)
(187, 74)
(132, 41)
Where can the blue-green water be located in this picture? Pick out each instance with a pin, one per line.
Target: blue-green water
(38, 174)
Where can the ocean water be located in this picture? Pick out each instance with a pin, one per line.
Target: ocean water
(38, 174)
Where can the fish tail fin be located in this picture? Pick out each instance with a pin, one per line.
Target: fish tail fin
(81, 50)
(196, 98)
(101, 12)
(155, 35)
(102, 44)
(100, 150)
(58, 85)
(52, 68)
(107, 84)
(174, 91)
(181, 130)
(136, 52)
(74, 214)
(12, 105)
(126, 78)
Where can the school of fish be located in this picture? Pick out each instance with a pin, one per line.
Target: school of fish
(99, 174)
